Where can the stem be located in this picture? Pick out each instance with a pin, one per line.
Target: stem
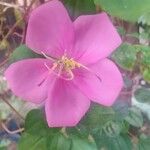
(11, 132)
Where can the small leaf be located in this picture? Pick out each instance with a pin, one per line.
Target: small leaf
(78, 7)
(142, 95)
(135, 117)
(22, 52)
(112, 129)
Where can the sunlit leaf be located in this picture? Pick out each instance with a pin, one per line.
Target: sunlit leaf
(129, 10)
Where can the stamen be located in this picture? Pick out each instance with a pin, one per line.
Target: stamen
(48, 57)
(51, 69)
(60, 70)
(70, 78)
(67, 65)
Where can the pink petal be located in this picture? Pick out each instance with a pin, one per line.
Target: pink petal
(95, 39)
(66, 105)
(50, 29)
(29, 79)
(104, 90)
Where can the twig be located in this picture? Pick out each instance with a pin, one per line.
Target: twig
(4, 62)
(12, 108)
(12, 29)
(11, 132)
(11, 5)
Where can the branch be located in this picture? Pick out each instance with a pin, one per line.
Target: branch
(11, 132)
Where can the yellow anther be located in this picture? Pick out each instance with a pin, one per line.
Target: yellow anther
(69, 64)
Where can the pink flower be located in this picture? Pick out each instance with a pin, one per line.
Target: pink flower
(75, 69)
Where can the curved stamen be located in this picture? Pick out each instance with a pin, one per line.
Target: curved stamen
(49, 57)
(67, 64)
(51, 69)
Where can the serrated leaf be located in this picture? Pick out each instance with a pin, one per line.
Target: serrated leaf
(125, 56)
(121, 142)
(78, 7)
(124, 8)
(135, 117)
(22, 52)
(97, 117)
(112, 128)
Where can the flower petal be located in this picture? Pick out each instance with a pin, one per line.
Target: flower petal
(29, 79)
(65, 105)
(50, 29)
(106, 88)
(95, 38)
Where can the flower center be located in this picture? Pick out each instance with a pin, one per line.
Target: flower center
(68, 64)
(63, 67)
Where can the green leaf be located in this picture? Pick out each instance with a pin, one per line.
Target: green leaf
(146, 74)
(22, 52)
(145, 55)
(3, 148)
(97, 117)
(38, 134)
(82, 144)
(135, 117)
(144, 143)
(121, 142)
(80, 131)
(142, 95)
(59, 142)
(32, 142)
(36, 124)
(79, 7)
(129, 10)
(125, 56)
(121, 31)
(112, 128)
